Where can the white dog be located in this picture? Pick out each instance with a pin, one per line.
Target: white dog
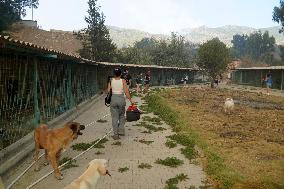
(89, 178)
(229, 105)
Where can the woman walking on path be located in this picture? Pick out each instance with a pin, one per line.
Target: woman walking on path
(118, 103)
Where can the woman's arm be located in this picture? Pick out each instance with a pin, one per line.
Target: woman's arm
(108, 87)
(126, 91)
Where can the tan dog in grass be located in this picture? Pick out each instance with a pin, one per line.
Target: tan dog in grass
(229, 105)
(89, 178)
(54, 141)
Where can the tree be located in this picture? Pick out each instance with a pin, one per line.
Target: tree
(239, 45)
(278, 15)
(213, 58)
(97, 44)
(12, 10)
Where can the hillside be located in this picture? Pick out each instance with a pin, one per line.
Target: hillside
(125, 37)
(66, 42)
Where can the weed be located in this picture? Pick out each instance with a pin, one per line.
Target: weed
(145, 165)
(182, 139)
(84, 146)
(189, 152)
(148, 142)
(170, 161)
(171, 144)
(70, 164)
(177, 179)
(147, 132)
(153, 128)
(99, 152)
(118, 143)
(123, 169)
(102, 121)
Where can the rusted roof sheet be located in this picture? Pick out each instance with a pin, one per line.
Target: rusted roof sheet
(82, 60)
(263, 68)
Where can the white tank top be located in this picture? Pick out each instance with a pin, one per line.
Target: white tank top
(117, 86)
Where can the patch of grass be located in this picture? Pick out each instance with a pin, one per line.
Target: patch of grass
(153, 120)
(175, 180)
(154, 129)
(99, 152)
(148, 142)
(189, 152)
(145, 166)
(123, 169)
(170, 161)
(102, 121)
(71, 163)
(84, 146)
(145, 109)
(141, 124)
(171, 144)
(147, 132)
(118, 143)
(182, 139)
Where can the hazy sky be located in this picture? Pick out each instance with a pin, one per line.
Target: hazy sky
(157, 16)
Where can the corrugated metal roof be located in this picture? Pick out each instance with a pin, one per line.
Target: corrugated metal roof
(263, 68)
(46, 50)
(34, 47)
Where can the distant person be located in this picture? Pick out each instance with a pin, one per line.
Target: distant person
(139, 81)
(185, 80)
(127, 77)
(268, 82)
(147, 81)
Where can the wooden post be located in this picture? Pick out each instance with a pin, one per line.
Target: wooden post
(282, 80)
(35, 91)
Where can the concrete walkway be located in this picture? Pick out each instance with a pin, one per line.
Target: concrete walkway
(129, 154)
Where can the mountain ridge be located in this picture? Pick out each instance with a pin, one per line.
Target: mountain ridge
(124, 37)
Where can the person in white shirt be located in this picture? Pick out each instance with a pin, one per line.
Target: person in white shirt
(118, 103)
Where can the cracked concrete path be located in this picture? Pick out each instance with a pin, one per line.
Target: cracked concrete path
(129, 154)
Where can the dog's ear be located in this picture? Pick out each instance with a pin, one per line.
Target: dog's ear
(73, 127)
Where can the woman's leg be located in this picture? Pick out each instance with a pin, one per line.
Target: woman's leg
(115, 117)
(121, 129)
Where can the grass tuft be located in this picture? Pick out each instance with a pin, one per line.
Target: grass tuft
(172, 182)
(84, 146)
(102, 121)
(118, 143)
(143, 141)
(71, 163)
(170, 161)
(171, 144)
(145, 166)
(123, 169)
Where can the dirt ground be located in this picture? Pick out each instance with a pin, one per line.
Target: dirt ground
(250, 139)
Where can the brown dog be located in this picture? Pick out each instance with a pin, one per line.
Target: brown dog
(54, 141)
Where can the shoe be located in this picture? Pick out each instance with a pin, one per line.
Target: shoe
(115, 137)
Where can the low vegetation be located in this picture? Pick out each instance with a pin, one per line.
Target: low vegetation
(118, 143)
(172, 182)
(123, 169)
(170, 161)
(143, 141)
(71, 163)
(84, 146)
(171, 144)
(144, 166)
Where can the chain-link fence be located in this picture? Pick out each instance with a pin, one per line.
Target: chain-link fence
(35, 87)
